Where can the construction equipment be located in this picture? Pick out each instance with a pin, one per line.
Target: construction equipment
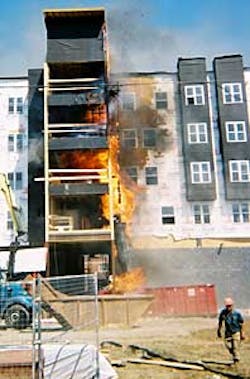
(16, 217)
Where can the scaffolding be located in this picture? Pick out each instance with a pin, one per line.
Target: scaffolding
(77, 159)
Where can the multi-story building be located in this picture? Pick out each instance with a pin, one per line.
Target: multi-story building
(185, 143)
(182, 141)
(13, 150)
(73, 181)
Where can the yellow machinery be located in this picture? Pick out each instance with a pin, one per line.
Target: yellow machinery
(15, 214)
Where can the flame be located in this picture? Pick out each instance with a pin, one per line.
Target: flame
(128, 282)
(98, 114)
(92, 159)
(86, 159)
(122, 191)
(123, 197)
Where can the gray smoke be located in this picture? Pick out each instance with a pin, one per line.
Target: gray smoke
(137, 45)
(36, 150)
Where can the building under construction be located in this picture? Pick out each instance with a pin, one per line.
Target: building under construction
(70, 182)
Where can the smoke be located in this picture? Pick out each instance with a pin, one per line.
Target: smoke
(36, 151)
(137, 41)
(137, 45)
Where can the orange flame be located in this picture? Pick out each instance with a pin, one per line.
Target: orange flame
(87, 159)
(122, 192)
(129, 281)
(123, 197)
(97, 159)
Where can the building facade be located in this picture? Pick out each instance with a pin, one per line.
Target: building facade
(190, 161)
(14, 151)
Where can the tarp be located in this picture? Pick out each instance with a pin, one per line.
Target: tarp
(75, 362)
(26, 260)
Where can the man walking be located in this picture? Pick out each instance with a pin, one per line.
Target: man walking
(233, 323)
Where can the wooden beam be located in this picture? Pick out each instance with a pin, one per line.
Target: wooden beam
(183, 366)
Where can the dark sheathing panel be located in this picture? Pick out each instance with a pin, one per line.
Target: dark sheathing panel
(75, 39)
(67, 143)
(230, 70)
(35, 165)
(193, 72)
(77, 70)
(78, 189)
(74, 98)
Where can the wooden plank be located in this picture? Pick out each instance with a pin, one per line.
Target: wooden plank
(72, 80)
(183, 366)
(53, 89)
(68, 125)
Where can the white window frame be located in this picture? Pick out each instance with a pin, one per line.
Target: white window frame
(233, 135)
(11, 105)
(13, 147)
(241, 212)
(151, 177)
(125, 139)
(15, 105)
(161, 103)
(13, 180)
(9, 223)
(133, 177)
(19, 105)
(201, 213)
(229, 90)
(239, 171)
(191, 92)
(167, 214)
(200, 172)
(126, 105)
(195, 132)
(149, 146)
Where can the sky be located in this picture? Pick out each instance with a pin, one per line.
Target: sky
(144, 35)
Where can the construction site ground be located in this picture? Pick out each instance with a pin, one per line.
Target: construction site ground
(182, 339)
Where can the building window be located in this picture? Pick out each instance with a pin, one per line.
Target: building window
(239, 171)
(240, 212)
(133, 173)
(11, 143)
(11, 105)
(232, 93)
(129, 138)
(201, 214)
(11, 179)
(20, 142)
(149, 138)
(151, 175)
(167, 215)
(16, 142)
(197, 132)
(161, 100)
(236, 131)
(19, 105)
(19, 181)
(10, 225)
(200, 172)
(128, 101)
(15, 180)
(194, 95)
(15, 105)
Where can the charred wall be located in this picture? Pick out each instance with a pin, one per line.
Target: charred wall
(36, 158)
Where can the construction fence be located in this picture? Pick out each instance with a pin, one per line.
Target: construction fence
(42, 329)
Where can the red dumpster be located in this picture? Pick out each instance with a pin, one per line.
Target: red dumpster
(191, 300)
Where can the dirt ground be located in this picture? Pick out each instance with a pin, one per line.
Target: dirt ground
(183, 339)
